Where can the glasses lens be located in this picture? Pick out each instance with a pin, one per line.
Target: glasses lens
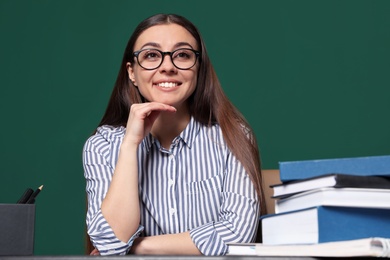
(149, 59)
(184, 58)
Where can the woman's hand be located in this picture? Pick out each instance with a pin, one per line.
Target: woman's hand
(94, 252)
(141, 119)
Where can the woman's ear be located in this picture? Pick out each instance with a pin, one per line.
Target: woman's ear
(130, 71)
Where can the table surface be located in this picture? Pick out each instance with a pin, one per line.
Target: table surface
(132, 257)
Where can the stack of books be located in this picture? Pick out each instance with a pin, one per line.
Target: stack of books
(328, 207)
(330, 200)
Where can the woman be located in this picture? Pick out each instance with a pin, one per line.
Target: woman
(173, 167)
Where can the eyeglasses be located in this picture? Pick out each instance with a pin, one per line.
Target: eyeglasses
(151, 59)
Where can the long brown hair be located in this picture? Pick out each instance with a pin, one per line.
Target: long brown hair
(208, 104)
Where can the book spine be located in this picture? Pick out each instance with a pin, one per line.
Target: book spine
(361, 166)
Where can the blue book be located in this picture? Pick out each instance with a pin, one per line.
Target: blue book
(361, 166)
(324, 224)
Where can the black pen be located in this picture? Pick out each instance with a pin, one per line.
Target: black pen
(31, 200)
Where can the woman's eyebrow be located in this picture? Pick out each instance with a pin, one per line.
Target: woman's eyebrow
(181, 44)
(156, 45)
(151, 44)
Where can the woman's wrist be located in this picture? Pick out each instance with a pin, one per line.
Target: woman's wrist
(128, 147)
(139, 246)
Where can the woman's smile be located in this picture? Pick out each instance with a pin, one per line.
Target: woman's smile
(167, 84)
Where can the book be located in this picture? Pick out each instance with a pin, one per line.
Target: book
(364, 166)
(324, 224)
(341, 197)
(330, 180)
(365, 247)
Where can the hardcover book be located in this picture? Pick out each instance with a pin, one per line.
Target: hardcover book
(330, 180)
(324, 224)
(364, 166)
(341, 197)
(365, 247)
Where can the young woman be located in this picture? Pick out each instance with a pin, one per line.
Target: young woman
(173, 167)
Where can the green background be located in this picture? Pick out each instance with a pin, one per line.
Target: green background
(312, 78)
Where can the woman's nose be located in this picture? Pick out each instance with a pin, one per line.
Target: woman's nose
(167, 64)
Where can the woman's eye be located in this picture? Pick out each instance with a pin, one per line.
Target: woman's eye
(152, 55)
(182, 55)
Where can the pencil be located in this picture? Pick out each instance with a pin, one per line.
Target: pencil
(31, 200)
(26, 195)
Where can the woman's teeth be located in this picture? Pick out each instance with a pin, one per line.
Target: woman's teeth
(167, 85)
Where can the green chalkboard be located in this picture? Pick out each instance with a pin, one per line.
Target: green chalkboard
(312, 77)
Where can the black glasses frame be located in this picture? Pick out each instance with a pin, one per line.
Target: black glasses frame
(163, 54)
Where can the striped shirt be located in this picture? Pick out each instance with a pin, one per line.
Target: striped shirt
(197, 185)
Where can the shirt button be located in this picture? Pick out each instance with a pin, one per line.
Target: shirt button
(171, 182)
(172, 211)
(171, 156)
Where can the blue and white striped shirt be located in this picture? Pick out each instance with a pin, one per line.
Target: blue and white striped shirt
(197, 185)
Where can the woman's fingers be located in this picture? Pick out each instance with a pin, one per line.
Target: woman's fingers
(142, 117)
(145, 109)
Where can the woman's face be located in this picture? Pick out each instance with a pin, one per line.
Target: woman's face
(166, 84)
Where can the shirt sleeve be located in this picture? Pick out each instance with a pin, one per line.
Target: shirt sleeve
(98, 171)
(238, 216)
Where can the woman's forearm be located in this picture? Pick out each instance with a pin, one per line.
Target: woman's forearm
(120, 207)
(172, 244)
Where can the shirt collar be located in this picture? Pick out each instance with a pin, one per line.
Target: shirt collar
(190, 132)
(188, 135)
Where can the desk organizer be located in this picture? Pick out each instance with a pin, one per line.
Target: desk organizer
(17, 223)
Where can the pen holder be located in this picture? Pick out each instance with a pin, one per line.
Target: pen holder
(17, 223)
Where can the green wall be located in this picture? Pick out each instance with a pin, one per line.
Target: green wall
(312, 77)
